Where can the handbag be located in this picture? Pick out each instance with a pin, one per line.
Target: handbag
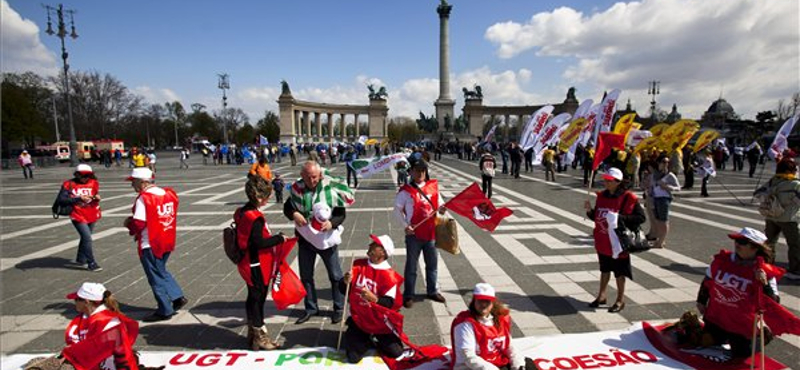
(631, 240)
(446, 229)
(60, 206)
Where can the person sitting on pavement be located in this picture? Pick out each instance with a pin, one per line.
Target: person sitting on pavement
(481, 335)
(372, 282)
(729, 308)
(257, 267)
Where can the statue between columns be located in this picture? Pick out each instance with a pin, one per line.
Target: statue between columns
(380, 94)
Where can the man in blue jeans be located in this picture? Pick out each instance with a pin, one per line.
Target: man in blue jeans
(153, 225)
(415, 207)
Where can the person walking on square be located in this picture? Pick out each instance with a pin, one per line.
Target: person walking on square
(293, 154)
(481, 335)
(26, 163)
(118, 157)
(487, 166)
(615, 207)
(753, 152)
(277, 186)
(261, 169)
(82, 191)
(786, 187)
(515, 155)
(153, 226)
(707, 170)
(372, 281)
(548, 160)
(414, 207)
(257, 267)
(349, 157)
(184, 156)
(528, 157)
(315, 188)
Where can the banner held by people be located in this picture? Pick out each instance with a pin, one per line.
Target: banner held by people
(367, 167)
(707, 137)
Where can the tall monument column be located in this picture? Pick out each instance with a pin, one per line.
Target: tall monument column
(445, 103)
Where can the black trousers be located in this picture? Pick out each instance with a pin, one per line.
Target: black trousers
(357, 343)
(740, 346)
(704, 187)
(688, 176)
(350, 171)
(256, 296)
(515, 168)
(487, 185)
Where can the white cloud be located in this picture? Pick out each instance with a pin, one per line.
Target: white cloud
(696, 48)
(156, 95)
(21, 48)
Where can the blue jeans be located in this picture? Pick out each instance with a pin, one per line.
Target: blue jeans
(165, 288)
(306, 258)
(85, 254)
(413, 248)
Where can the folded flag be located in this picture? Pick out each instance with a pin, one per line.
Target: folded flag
(474, 205)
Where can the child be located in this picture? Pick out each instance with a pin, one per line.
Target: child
(277, 187)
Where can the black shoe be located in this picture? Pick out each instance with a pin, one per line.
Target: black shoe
(94, 268)
(155, 317)
(596, 303)
(616, 307)
(336, 317)
(305, 317)
(408, 302)
(436, 297)
(179, 303)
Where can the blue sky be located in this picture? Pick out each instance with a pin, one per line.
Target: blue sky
(520, 51)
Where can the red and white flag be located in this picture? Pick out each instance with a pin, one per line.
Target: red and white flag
(535, 126)
(287, 289)
(474, 205)
(781, 141)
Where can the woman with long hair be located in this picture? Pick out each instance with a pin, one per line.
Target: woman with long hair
(662, 184)
(256, 268)
(82, 193)
(481, 336)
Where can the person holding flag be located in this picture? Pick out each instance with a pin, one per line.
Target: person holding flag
(415, 208)
(99, 321)
(257, 267)
(153, 226)
(481, 335)
(738, 287)
(707, 170)
(615, 207)
(313, 188)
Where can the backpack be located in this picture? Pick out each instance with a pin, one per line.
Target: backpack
(61, 206)
(770, 206)
(231, 245)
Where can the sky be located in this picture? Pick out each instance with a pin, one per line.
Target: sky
(521, 52)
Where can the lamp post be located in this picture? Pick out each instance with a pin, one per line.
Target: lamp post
(223, 85)
(61, 34)
(653, 88)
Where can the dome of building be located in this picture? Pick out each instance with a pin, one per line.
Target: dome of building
(720, 107)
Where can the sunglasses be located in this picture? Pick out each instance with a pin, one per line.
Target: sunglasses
(741, 241)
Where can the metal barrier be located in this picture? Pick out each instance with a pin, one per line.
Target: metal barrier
(11, 163)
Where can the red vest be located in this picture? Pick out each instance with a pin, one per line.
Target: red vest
(733, 291)
(266, 257)
(162, 221)
(602, 244)
(82, 327)
(378, 282)
(84, 212)
(493, 343)
(423, 209)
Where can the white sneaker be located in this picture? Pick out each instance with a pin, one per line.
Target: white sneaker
(792, 276)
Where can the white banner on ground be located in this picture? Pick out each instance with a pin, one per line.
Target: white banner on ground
(380, 164)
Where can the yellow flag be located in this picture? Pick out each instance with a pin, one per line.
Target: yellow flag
(571, 134)
(659, 128)
(371, 142)
(705, 138)
(647, 143)
(674, 136)
(624, 124)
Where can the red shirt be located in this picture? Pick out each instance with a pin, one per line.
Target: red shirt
(84, 212)
(602, 243)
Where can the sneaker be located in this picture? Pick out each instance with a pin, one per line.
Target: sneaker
(792, 275)
(95, 268)
(179, 303)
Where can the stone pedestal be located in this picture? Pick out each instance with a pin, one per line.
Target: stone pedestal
(444, 108)
(287, 123)
(378, 112)
(473, 113)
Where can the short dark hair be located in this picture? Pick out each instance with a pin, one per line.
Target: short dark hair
(786, 165)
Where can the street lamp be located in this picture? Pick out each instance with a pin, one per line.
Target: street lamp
(223, 85)
(61, 34)
(653, 88)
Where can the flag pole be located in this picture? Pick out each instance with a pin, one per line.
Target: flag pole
(346, 299)
(758, 181)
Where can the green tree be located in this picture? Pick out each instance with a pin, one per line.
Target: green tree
(269, 126)
(202, 124)
(22, 120)
(246, 134)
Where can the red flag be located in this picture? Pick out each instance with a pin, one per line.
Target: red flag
(415, 355)
(287, 289)
(474, 205)
(779, 319)
(89, 353)
(605, 143)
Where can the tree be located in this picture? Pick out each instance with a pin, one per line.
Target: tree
(402, 129)
(786, 110)
(22, 119)
(231, 118)
(246, 134)
(202, 124)
(177, 116)
(269, 127)
(98, 103)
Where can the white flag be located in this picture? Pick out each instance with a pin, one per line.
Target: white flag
(535, 126)
(781, 141)
(583, 109)
(547, 134)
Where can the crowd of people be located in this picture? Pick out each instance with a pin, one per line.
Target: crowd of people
(317, 205)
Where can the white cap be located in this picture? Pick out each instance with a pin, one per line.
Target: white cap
(483, 291)
(83, 168)
(613, 173)
(384, 241)
(141, 173)
(321, 211)
(750, 234)
(89, 291)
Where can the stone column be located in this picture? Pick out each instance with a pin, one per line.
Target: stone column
(355, 122)
(288, 119)
(445, 103)
(298, 122)
(318, 124)
(331, 136)
(307, 127)
(343, 125)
